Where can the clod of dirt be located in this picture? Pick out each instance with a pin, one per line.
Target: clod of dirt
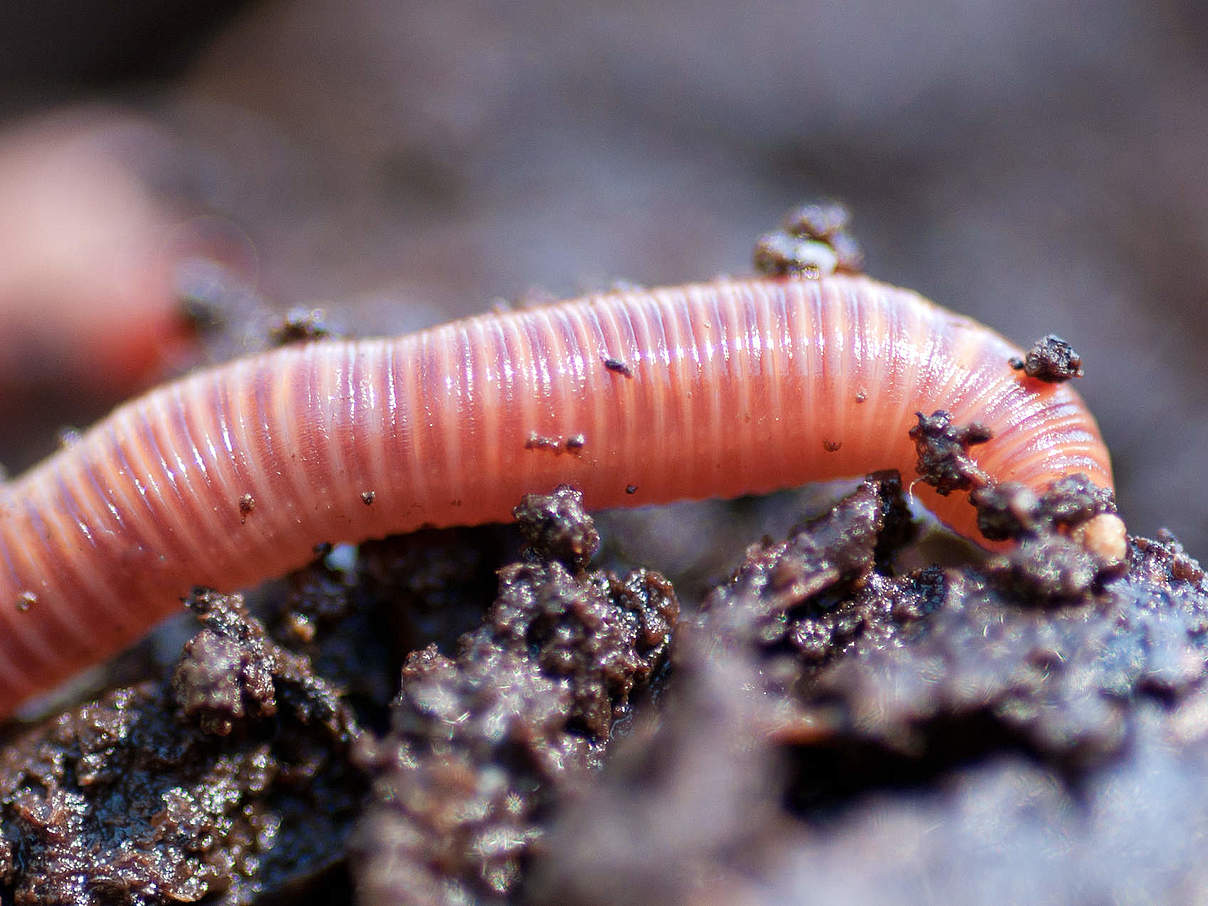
(1074, 499)
(825, 559)
(231, 780)
(1047, 568)
(827, 222)
(557, 527)
(1068, 537)
(1012, 510)
(231, 670)
(482, 742)
(813, 242)
(943, 452)
(779, 254)
(1050, 359)
(301, 325)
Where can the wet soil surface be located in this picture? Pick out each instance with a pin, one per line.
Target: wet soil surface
(830, 723)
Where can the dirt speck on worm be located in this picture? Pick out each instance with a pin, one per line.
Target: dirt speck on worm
(26, 600)
(301, 325)
(618, 366)
(573, 444)
(247, 503)
(68, 437)
(367, 497)
(779, 254)
(1050, 359)
(541, 442)
(832, 446)
(943, 450)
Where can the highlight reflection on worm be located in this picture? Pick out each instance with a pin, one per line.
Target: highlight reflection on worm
(233, 474)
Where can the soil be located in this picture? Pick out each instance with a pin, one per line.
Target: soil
(1050, 359)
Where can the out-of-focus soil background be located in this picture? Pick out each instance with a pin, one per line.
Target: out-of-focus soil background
(1038, 165)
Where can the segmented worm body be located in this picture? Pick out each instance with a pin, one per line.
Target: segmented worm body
(233, 474)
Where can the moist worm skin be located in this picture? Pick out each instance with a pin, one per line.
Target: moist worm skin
(233, 474)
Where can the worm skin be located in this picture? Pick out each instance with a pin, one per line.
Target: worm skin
(233, 474)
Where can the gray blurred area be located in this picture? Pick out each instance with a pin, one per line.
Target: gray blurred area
(1038, 165)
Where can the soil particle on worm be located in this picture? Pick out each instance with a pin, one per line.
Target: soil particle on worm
(1050, 359)
(943, 452)
(301, 325)
(1045, 564)
(1011, 510)
(619, 367)
(829, 222)
(813, 241)
(573, 444)
(780, 254)
(537, 441)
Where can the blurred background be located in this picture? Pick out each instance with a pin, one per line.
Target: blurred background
(1038, 165)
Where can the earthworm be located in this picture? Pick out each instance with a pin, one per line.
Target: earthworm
(87, 258)
(232, 475)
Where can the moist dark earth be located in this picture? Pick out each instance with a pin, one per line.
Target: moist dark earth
(834, 722)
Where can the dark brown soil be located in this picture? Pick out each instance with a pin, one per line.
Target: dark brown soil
(1050, 359)
(229, 778)
(836, 732)
(943, 450)
(242, 772)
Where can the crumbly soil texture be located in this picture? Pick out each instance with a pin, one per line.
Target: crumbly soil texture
(484, 716)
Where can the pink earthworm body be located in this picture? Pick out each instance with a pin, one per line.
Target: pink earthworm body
(233, 474)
